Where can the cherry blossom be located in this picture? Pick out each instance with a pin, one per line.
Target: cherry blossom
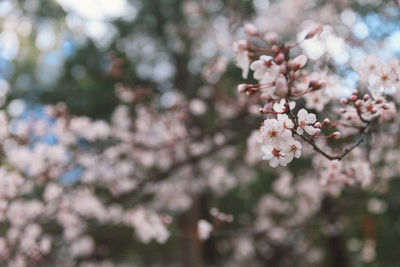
(242, 56)
(280, 107)
(304, 121)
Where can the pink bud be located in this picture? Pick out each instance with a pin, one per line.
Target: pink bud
(374, 110)
(316, 30)
(335, 135)
(275, 48)
(317, 131)
(366, 97)
(344, 101)
(250, 29)
(379, 100)
(355, 92)
(281, 86)
(241, 88)
(241, 45)
(326, 122)
(358, 103)
(279, 58)
(353, 98)
(283, 68)
(271, 37)
(316, 84)
(265, 108)
(386, 106)
(317, 125)
(298, 62)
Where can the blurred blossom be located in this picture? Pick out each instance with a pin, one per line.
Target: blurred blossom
(16, 108)
(348, 17)
(46, 37)
(9, 45)
(5, 7)
(261, 4)
(99, 9)
(361, 30)
(158, 126)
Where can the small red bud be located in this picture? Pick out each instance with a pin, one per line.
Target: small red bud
(335, 135)
(316, 30)
(279, 58)
(353, 98)
(326, 122)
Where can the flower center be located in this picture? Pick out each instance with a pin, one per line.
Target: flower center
(273, 134)
(276, 153)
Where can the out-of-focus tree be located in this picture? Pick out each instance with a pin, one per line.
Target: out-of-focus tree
(124, 140)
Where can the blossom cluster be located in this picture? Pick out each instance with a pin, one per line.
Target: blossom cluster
(282, 80)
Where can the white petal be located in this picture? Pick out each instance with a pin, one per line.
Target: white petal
(310, 130)
(277, 107)
(311, 118)
(274, 162)
(300, 130)
(302, 114)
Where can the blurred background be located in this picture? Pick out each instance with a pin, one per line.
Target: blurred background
(94, 55)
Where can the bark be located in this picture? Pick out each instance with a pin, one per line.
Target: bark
(335, 242)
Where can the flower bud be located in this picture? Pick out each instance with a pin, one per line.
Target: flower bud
(241, 45)
(366, 97)
(281, 86)
(326, 122)
(358, 103)
(353, 98)
(241, 88)
(250, 29)
(318, 125)
(355, 92)
(298, 62)
(344, 101)
(335, 135)
(316, 85)
(275, 48)
(317, 131)
(279, 58)
(271, 37)
(316, 30)
(266, 108)
(283, 68)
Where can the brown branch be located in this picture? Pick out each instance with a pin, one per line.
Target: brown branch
(361, 138)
